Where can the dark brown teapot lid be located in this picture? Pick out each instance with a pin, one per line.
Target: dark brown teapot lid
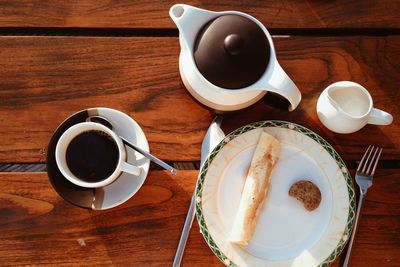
(231, 52)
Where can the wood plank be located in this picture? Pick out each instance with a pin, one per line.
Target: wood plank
(52, 78)
(43, 80)
(154, 14)
(38, 227)
(316, 63)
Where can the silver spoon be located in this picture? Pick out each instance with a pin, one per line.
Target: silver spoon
(107, 123)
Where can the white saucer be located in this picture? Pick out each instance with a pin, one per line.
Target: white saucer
(124, 187)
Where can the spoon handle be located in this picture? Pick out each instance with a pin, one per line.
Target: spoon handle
(149, 156)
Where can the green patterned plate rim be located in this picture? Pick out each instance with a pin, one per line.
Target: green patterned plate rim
(294, 127)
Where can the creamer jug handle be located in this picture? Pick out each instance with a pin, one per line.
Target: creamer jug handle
(280, 83)
(379, 117)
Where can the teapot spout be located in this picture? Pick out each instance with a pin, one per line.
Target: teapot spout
(279, 82)
(189, 21)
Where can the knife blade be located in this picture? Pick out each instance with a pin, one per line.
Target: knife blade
(212, 138)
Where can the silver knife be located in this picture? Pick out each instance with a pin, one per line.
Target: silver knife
(212, 138)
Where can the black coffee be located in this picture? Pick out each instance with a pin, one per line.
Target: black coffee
(92, 156)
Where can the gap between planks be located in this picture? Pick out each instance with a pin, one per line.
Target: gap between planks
(195, 165)
(41, 167)
(163, 32)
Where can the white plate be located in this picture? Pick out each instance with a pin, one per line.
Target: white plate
(286, 233)
(127, 184)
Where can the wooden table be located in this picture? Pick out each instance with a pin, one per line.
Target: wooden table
(59, 57)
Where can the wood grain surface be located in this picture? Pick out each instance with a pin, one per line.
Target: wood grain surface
(59, 57)
(38, 227)
(43, 80)
(154, 14)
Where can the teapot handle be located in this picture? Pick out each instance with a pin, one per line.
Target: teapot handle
(189, 20)
(280, 83)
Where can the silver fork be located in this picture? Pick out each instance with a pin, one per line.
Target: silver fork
(364, 176)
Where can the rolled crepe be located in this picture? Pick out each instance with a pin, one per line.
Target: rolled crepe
(255, 188)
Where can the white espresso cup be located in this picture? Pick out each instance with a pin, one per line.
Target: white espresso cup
(346, 107)
(121, 164)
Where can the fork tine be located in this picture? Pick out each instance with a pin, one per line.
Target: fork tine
(362, 160)
(366, 161)
(371, 163)
(376, 161)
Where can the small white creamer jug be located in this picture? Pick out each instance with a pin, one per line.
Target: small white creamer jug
(346, 107)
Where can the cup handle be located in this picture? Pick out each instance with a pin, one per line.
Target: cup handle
(280, 83)
(129, 168)
(379, 117)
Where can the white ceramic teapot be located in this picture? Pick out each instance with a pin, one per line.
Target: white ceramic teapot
(227, 60)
